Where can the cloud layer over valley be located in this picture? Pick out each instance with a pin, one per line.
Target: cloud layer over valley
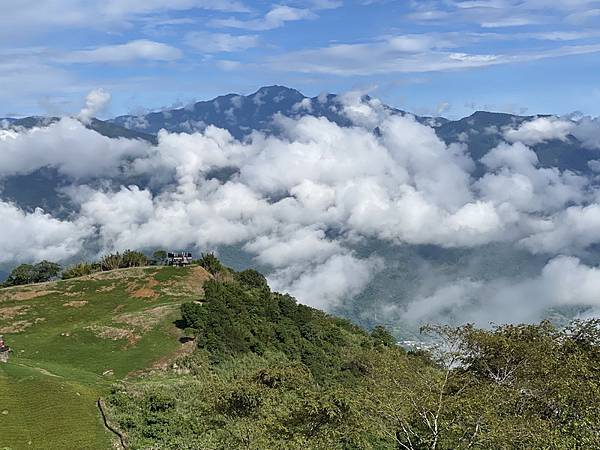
(304, 200)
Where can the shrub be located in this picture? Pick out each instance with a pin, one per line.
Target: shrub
(252, 279)
(159, 257)
(111, 261)
(37, 273)
(211, 263)
(382, 336)
(132, 258)
(80, 270)
(129, 258)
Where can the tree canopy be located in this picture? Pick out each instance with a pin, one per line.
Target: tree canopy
(271, 373)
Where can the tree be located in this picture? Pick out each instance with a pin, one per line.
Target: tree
(37, 273)
(383, 336)
(252, 279)
(159, 256)
(22, 274)
(111, 261)
(45, 271)
(211, 263)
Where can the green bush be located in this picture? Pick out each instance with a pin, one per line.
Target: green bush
(36, 273)
(211, 263)
(80, 270)
(252, 279)
(129, 258)
(159, 257)
(132, 258)
(382, 336)
(235, 319)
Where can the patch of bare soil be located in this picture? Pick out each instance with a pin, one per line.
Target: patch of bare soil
(20, 326)
(145, 291)
(71, 294)
(115, 334)
(10, 312)
(110, 287)
(119, 274)
(168, 361)
(23, 294)
(76, 303)
(198, 275)
(45, 372)
(189, 286)
(147, 319)
(16, 327)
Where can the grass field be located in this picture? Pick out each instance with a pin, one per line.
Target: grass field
(72, 339)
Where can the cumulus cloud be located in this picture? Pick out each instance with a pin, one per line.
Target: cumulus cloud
(68, 146)
(543, 129)
(34, 236)
(587, 132)
(514, 177)
(95, 102)
(540, 130)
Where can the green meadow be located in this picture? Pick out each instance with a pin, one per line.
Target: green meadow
(72, 339)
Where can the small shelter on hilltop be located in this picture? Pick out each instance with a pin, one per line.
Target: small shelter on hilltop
(4, 350)
(179, 259)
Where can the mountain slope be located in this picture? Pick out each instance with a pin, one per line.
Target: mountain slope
(72, 339)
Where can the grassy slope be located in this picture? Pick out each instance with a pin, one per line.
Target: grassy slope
(72, 339)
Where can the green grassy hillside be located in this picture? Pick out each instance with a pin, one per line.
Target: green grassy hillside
(72, 339)
(256, 370)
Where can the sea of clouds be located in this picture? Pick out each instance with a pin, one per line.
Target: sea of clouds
(302, 200)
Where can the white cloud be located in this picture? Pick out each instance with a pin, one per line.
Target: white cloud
(67, 146)
(277, 17)
(563, 281)
(573, 229)
(138, 50)
(30, 17)
(504, 13)
(324, 285)
(514, 178)
(588, 132)
(96, 101)
(220, 42)
(34, 236)
(539, 130)
(408, 54)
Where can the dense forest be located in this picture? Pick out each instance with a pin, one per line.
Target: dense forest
(269, 373)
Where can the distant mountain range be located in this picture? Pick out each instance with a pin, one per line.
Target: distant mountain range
(241, 115)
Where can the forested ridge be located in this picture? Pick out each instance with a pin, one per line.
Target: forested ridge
(271, 373)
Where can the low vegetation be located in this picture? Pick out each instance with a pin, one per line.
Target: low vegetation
(270, 373)
(205, 357)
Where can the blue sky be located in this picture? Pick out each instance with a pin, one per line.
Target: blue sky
(446, 57)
